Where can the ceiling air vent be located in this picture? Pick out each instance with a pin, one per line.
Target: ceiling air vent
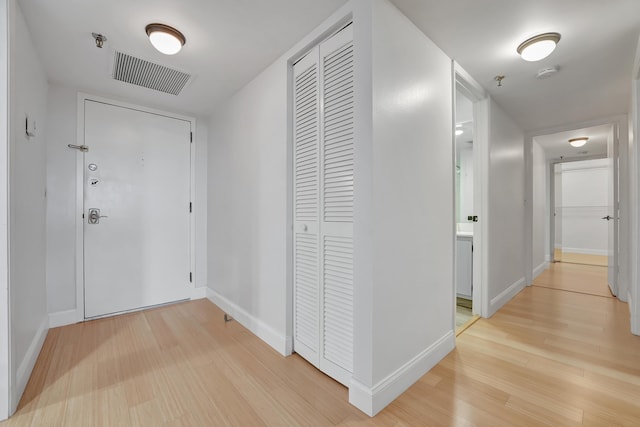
(130, 69)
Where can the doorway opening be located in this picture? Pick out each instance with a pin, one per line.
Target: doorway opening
(470, 147)
(582, 205)
(464, 189)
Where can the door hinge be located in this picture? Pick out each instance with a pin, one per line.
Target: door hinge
(190, 277)
(190, 136)
(190, 207)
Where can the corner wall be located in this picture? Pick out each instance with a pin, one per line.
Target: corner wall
(411, 211)
(27, 233)
(506, 208)
(404, 218)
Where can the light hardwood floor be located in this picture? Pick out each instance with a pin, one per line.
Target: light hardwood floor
(574, 258)
(586, 279)
(549, 357)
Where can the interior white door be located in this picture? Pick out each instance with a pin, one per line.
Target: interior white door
(137, 174)
(323, 206)
(612, 211)
(306, 206)
(336, 207)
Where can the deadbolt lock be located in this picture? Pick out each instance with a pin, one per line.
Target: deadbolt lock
(94, 216)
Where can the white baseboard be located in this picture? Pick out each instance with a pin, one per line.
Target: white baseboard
(281, 343)
(63, 318)
(583, 251)
(199, 292)
(505, 296)
(539, 269)
(373, 400)
(26, 365)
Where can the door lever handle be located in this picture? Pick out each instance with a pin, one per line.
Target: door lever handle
(82, 148)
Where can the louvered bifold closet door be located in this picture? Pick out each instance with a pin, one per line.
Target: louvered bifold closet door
(306, 201)
(336, 200)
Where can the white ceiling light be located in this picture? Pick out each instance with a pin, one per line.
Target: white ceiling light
(165, 39)
(578, 142)
(459, 132)
(538, 47)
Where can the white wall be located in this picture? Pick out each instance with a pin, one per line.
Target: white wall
(412, 200)
(583, 204)
(4, 197)
(540, 251)
(248, 205)
(61, 200)
(506, 208)
(28, 94)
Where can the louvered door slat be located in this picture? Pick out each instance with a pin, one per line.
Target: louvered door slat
(337, 159)
(306, 209)
(323, 192)
(338, 303)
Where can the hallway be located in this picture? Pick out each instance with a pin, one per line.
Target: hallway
(549, 357)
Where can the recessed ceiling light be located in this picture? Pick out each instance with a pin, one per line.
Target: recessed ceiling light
(165, 39)
(538, 47)
(578, 142)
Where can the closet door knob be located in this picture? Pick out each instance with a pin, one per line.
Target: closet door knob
(305, 228)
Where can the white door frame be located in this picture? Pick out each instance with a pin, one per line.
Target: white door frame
(552, 193)
(476, 93)
(82, 97)
(5, 306)
(621, 141)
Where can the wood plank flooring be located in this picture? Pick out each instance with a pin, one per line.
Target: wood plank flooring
(586, 279)
(549, 357)
(602, 261)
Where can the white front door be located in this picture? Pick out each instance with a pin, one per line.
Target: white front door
(136, 209)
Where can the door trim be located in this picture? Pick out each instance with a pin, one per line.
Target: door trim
(621, 141)
(476, 93)
(82, 97)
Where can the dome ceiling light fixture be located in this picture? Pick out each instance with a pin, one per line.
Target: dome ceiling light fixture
(538, 47)
(578, 142)
(165, 39)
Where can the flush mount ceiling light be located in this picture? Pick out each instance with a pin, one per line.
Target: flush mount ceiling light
(165, 39)
(578, 142)
(538, 47)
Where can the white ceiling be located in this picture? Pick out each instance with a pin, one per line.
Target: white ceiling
(595, 54)
(557, 145)
(231, 41)
(228, 42)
